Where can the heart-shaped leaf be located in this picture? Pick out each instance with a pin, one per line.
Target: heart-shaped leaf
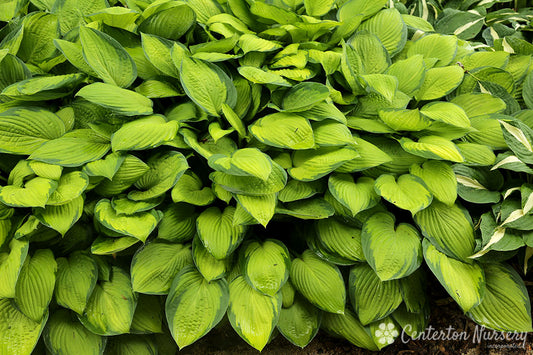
(408, 192)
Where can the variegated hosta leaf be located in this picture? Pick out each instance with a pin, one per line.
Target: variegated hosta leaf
(389, 27)
(189, 189)
(309, 165)
(409, 192)
(299, 322)
(138, 225)
(433, 147)
(339, 239)
(178, 223)
(122, 205)
(464, 282)
(392, 252)
(61, 218)
(29, 128)
(265, 265)
(439, 82)
(122, 101)
(505, 305)
(64, 334)
(410, 73)
(404, 120)
(49, 171)
(210, 267)
(349, 327)
(439, 179)
(71, 185)
(148, 316)
(261, 208)
(369, 156)
(35, 285)
(75, 280)
(319, 281)
(111, 306)
(284, 130)
(449, 228)
(144, 133)
(217, 232)
(372, 298)
(478, 185)
(194, 305)
(106, 167)
(254, 324)
(298, 190)
(251, 185)
(443, 48)
(519, 137)
(10, 265)
(356, 197)
(243, 162)
(18, 333)
(165, 171)
(446, 112)
(35, 193)
(155, 265)
(304, 96)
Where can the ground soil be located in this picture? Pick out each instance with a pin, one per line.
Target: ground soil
(444, 313)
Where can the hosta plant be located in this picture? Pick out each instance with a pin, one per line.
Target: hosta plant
(283, 166)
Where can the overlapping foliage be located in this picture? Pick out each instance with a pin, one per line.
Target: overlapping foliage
(292, 165)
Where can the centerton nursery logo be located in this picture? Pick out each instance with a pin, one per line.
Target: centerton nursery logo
(386, 333)
(513, 339)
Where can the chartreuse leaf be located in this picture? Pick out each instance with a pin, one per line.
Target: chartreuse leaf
(374, 57)
(313, 208)
(390, 28)
(111, 305)
(35, 193)
(404, 120)
(171, 22)
(178, 223)
(106, 167)
(304, 96)
(259, 76)
(35, 285)
(284, 130)
(74, 54)
(108, 246)
(478, 104)
(243, 162)
(439, 82)
(299, 322)
(10, 265)
(372, 298)
(155, 265)
(122, 205)
(449, 228)
(505, 305)
(139, 225)
(312, 164)
(71, 185)
(62, 217)
(355, 196)
(339, 239)
(408, 192)
(206, 84)
(107, 57)
(64, 334)
(265, 265)
(75, 280)
(298, 190)
(261, 208)
(194, 305)
(210, 267)
(49, 171)
(318, 8)
(251, 185)
(75, 148)
(43, 88)
(439, 179)
(144, 133)
(349, 326)
(122, 101)
(148, 317)
(22, 130)
(319, 281)
(410, 73)
(254, 324)
(217, 232)
(442, 48)
(527, 91)
(370, 156)
(392, 252)
(354, 7)
(446, 112)
(165, 171)
(18, 333)
(158, 50)
(476, 154)
(464, 282)
(432, 147)
(189, 189)
(332, 133)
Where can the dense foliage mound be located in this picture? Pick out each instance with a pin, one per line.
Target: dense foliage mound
(294, 165)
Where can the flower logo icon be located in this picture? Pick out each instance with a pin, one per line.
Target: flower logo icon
(386, 333)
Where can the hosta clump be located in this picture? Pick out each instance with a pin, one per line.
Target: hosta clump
(295, 166)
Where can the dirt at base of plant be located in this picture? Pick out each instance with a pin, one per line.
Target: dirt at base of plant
(445, 313)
